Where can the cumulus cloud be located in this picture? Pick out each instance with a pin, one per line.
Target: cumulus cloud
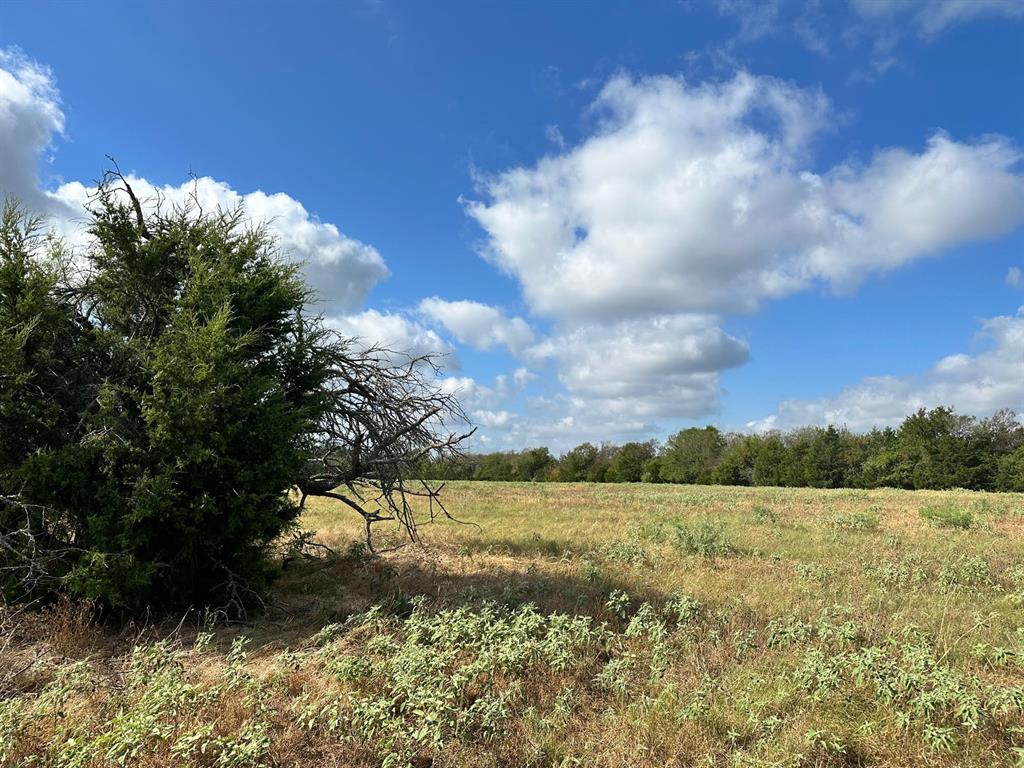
(491, 419)
(933, 16)
(703, 199)
(395, 332)
(692, 201)
(31, 119)
(664, 366)
(561, 422)
(481, 397)
(340, 268)
(979, 383)
(479, 325)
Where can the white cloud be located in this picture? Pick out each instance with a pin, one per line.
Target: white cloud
(394, 332)
(481, 397)
(914, 205)
(479, 325)
(340, 268)
(703, 199)
(756, 18)
(562, 422)
(933, 16)
(30, 119)
(522, 376)
(492, 419)
(979, 383)
(665, 366)
(687, 202)
(554, 134)
(1014, 278)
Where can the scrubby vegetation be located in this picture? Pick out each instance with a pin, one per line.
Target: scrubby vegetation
(604, 625)
(161, 392)
(931, 450)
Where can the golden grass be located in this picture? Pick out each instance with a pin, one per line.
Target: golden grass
(818, 628)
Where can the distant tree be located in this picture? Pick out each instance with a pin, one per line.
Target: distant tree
(736, 467)
(533, 464)
(1010, 472)
(939, 449)
(931, 449)
(577, 465)
(879, 460)
(496, 466)
(691, 455)
(1002, 432)
(829, 459)
(652, 471)
(770, 459)
(598, 472)
(627, 465)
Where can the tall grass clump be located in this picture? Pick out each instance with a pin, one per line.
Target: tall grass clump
(948, 516)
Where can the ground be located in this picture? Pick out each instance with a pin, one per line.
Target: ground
(571, 625)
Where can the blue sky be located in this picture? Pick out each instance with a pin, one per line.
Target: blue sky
(616, 219)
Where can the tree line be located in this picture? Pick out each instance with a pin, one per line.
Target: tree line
(931, 449)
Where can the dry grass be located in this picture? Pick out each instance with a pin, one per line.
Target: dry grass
(579, 625)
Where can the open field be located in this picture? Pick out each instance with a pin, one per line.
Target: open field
(579, 625)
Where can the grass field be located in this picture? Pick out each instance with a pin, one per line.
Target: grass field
(578, 625)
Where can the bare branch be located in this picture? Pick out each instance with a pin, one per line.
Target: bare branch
(136, 205)
(384, 415)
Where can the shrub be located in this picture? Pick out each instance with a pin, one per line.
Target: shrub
(706, 539)
(194, 344)
(764, 515)
(156, 408)
(965, 571)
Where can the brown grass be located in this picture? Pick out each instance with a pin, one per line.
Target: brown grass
(726, 686)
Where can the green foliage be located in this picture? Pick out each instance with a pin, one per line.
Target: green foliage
(627, 551)
(936, 449)
(629, 461)
(965, 571)
(1010, 474)
(947, 516)
(586, 462)
(159, 410)
(764, 515)
(706, 539)
(652, 471)
(690, 456)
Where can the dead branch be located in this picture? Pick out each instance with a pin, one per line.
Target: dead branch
(384, 414)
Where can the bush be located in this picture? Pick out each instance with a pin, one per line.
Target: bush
(965, 571)
(141, 466)
(157, 407)
(706, 539)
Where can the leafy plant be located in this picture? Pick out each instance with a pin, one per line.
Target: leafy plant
(706, 539)
(764, 515)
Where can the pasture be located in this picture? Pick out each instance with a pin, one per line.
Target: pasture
(571, 625)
